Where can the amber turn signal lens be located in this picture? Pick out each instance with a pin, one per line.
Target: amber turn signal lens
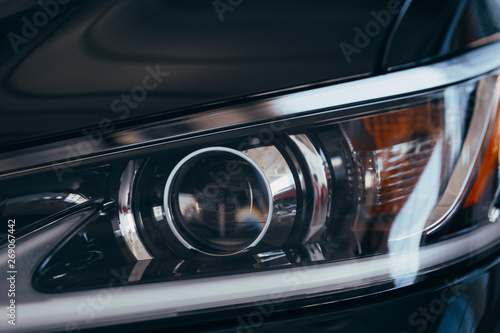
(488, 167)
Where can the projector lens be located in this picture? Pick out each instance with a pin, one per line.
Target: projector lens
(218, 201)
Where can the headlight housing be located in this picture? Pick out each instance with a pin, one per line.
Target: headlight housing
(367, 185)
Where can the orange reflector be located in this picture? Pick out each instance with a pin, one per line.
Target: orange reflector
(398, 127)
(392, 151)
(488, 167)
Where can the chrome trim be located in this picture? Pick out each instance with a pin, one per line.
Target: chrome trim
(283, 189)
(486, 106)
(125, 226)
(169, 299)
(168, 194)
(318, 167)
(471, 64)
(138, 270)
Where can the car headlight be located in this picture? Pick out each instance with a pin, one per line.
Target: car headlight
(365, 186)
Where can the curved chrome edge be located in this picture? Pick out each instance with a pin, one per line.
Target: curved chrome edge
(60, 154)
(318, 167)
(168, 193)
(283, 188)
(484, 116)
(125, 225)
(126, 304)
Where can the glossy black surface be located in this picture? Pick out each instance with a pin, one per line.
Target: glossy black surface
(432, 30)
(70, 73)
(67, 75)
(43, 198)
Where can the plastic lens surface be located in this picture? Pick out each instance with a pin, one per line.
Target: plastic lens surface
(218, 201)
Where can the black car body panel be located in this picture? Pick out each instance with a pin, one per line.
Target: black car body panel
(433, 30)
(65, 75)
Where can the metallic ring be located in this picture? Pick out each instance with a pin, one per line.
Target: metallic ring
(126, 221)
(168, 196)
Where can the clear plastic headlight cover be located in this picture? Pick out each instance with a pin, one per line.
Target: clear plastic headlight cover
(374, 195)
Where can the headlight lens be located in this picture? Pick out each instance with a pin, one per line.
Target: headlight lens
(381, 183)
(361, 198)
(217, 201)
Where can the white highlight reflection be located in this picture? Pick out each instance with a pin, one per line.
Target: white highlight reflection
(406, 231)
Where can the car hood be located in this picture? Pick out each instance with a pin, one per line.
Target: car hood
(70, 65)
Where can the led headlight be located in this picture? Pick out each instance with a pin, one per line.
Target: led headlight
(362, 186)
